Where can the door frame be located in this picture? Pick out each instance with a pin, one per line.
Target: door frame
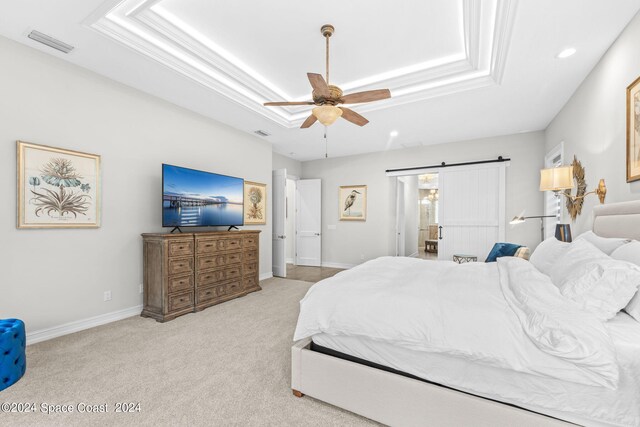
(295, 179)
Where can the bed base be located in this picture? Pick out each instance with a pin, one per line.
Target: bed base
(397, 400)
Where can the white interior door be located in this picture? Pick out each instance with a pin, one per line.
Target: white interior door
(400, 220)
(472, 209)
(279, 190)
(309, 224)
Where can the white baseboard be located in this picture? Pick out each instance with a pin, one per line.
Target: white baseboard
(289, 261)
(338, 265)
(265, 276)
(413, 255)
(81, 325)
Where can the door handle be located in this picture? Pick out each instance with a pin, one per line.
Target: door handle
(317, 234)
(282, 237)
(440, 231)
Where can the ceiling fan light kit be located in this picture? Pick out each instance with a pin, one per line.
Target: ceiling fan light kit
(326, 97)
(327, 114)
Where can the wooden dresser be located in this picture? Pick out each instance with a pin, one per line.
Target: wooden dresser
(188, 272)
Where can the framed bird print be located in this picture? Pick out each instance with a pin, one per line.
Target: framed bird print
(633, 131)
(352, 202)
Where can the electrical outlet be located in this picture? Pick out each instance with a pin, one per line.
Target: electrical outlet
(107, 295)
(141, 288)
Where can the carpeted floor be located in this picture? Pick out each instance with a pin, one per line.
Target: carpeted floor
(226, 365)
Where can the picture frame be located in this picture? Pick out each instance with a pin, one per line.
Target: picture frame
(633, 131)
(255, 203)
(352, 202)
(56, 187)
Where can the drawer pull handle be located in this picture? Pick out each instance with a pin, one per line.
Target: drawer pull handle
(208, 245)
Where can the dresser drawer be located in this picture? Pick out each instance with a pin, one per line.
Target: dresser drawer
(180, 283)
(180, 301)
(219, 260)
(181, 248)
(249, 282)
(219, 291)
(249, 268)
(208, 246)
(250, 242)
(180, 265)
(250, 256)
(213, 276)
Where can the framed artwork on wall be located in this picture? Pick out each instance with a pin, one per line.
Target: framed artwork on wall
(57, 188)
(255, 203)
(633, 131)
(352, 202)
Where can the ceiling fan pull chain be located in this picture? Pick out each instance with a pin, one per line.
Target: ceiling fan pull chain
(326, 144)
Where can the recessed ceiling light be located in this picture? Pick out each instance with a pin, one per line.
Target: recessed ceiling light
(394, 133)
(566, 53)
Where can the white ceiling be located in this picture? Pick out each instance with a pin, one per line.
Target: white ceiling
(457, 69)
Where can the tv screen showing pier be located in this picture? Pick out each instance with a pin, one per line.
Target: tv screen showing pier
(193, 198)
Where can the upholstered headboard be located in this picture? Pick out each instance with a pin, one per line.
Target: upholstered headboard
(617, 220)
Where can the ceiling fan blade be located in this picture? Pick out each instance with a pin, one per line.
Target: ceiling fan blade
(307, 123)
(353, 117)
(281, 103)
(367, 96)
(319, 85)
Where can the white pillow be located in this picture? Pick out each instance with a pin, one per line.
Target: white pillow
(630, 253)
(605, 244)
(547, 253)
(595, 281)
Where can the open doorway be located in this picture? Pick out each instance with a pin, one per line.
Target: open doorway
(428, 202)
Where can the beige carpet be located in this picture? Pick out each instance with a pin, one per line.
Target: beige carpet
(226, 365)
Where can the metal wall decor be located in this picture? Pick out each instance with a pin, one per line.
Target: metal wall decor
(574, 203)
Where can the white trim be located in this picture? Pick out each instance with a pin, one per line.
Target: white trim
(265, 276)
(332, 264)
(81, 325)
(288, 260)
(414, 255)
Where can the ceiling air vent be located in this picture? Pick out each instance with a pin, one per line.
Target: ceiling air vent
(261, 133)
(50, 41)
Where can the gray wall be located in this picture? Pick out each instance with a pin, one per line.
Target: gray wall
(51, 277)
(352, 242)
(292, 166)
(593, 124)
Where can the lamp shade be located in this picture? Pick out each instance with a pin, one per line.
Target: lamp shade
(327, 114)
(555, 179)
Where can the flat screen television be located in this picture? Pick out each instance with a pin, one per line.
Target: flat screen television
(193, 198)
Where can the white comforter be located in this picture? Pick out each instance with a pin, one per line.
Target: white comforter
(503, 314)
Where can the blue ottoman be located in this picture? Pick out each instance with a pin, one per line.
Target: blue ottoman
(13, 361)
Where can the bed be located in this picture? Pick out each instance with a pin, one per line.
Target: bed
(512, 380)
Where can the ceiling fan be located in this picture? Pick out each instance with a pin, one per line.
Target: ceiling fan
(326, 97)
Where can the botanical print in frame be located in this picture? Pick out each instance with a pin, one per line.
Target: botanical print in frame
(255, 203)
(633, 131)
(57, 188)
(352, 202)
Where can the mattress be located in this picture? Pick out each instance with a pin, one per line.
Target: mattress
(573, 402)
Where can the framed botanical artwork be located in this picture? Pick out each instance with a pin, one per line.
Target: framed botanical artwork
(255, 203)
(352, 202)
(57, 188)
(633, 131)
